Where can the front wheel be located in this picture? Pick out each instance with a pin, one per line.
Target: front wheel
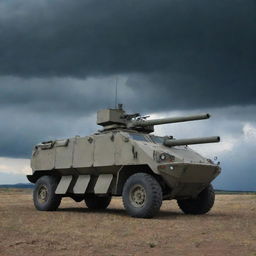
(142, 196)
(200, 205)
(44, 196)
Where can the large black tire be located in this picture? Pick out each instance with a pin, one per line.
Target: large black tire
(200, 205)
(44, 196)
(96, 202)
(142, 196)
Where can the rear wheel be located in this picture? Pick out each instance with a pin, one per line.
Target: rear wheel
(44, 196)
(142, 196)
(96, 202)
(200, 205)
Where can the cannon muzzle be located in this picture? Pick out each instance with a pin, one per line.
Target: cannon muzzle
(171, 143)
(143, 123)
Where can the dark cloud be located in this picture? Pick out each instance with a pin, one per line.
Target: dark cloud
(201, 52)
(161, 91)
(80, 38)
(56, 96)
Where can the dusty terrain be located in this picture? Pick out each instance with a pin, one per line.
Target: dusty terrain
(229, 229)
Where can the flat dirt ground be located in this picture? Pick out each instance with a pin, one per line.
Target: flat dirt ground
(229, 229)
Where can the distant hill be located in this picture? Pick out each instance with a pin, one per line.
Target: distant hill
(18, 185)
(217, 191)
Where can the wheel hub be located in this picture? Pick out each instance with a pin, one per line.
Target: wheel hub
(137, 196)
(42, 194)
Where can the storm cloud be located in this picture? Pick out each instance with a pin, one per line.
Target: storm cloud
(204, 52)
(84, 38)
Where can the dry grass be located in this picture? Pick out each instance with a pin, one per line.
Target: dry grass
(229, 229)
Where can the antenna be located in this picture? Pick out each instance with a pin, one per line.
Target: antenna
(116, 94)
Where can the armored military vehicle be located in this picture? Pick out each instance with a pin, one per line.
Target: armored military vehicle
(125, 159)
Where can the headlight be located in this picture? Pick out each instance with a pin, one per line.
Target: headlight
(166, 157)
(163, 156)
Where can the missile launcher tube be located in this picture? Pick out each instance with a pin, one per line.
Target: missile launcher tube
(171, 143)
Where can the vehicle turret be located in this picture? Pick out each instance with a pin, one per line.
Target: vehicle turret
(118, 118)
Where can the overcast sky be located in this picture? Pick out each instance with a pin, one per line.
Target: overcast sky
(59, 61)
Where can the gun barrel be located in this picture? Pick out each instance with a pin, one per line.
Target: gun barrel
(143, 123)
(191, 141)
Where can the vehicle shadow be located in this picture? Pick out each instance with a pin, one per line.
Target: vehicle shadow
(113, 211)
(170, 215)
(164, 214)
